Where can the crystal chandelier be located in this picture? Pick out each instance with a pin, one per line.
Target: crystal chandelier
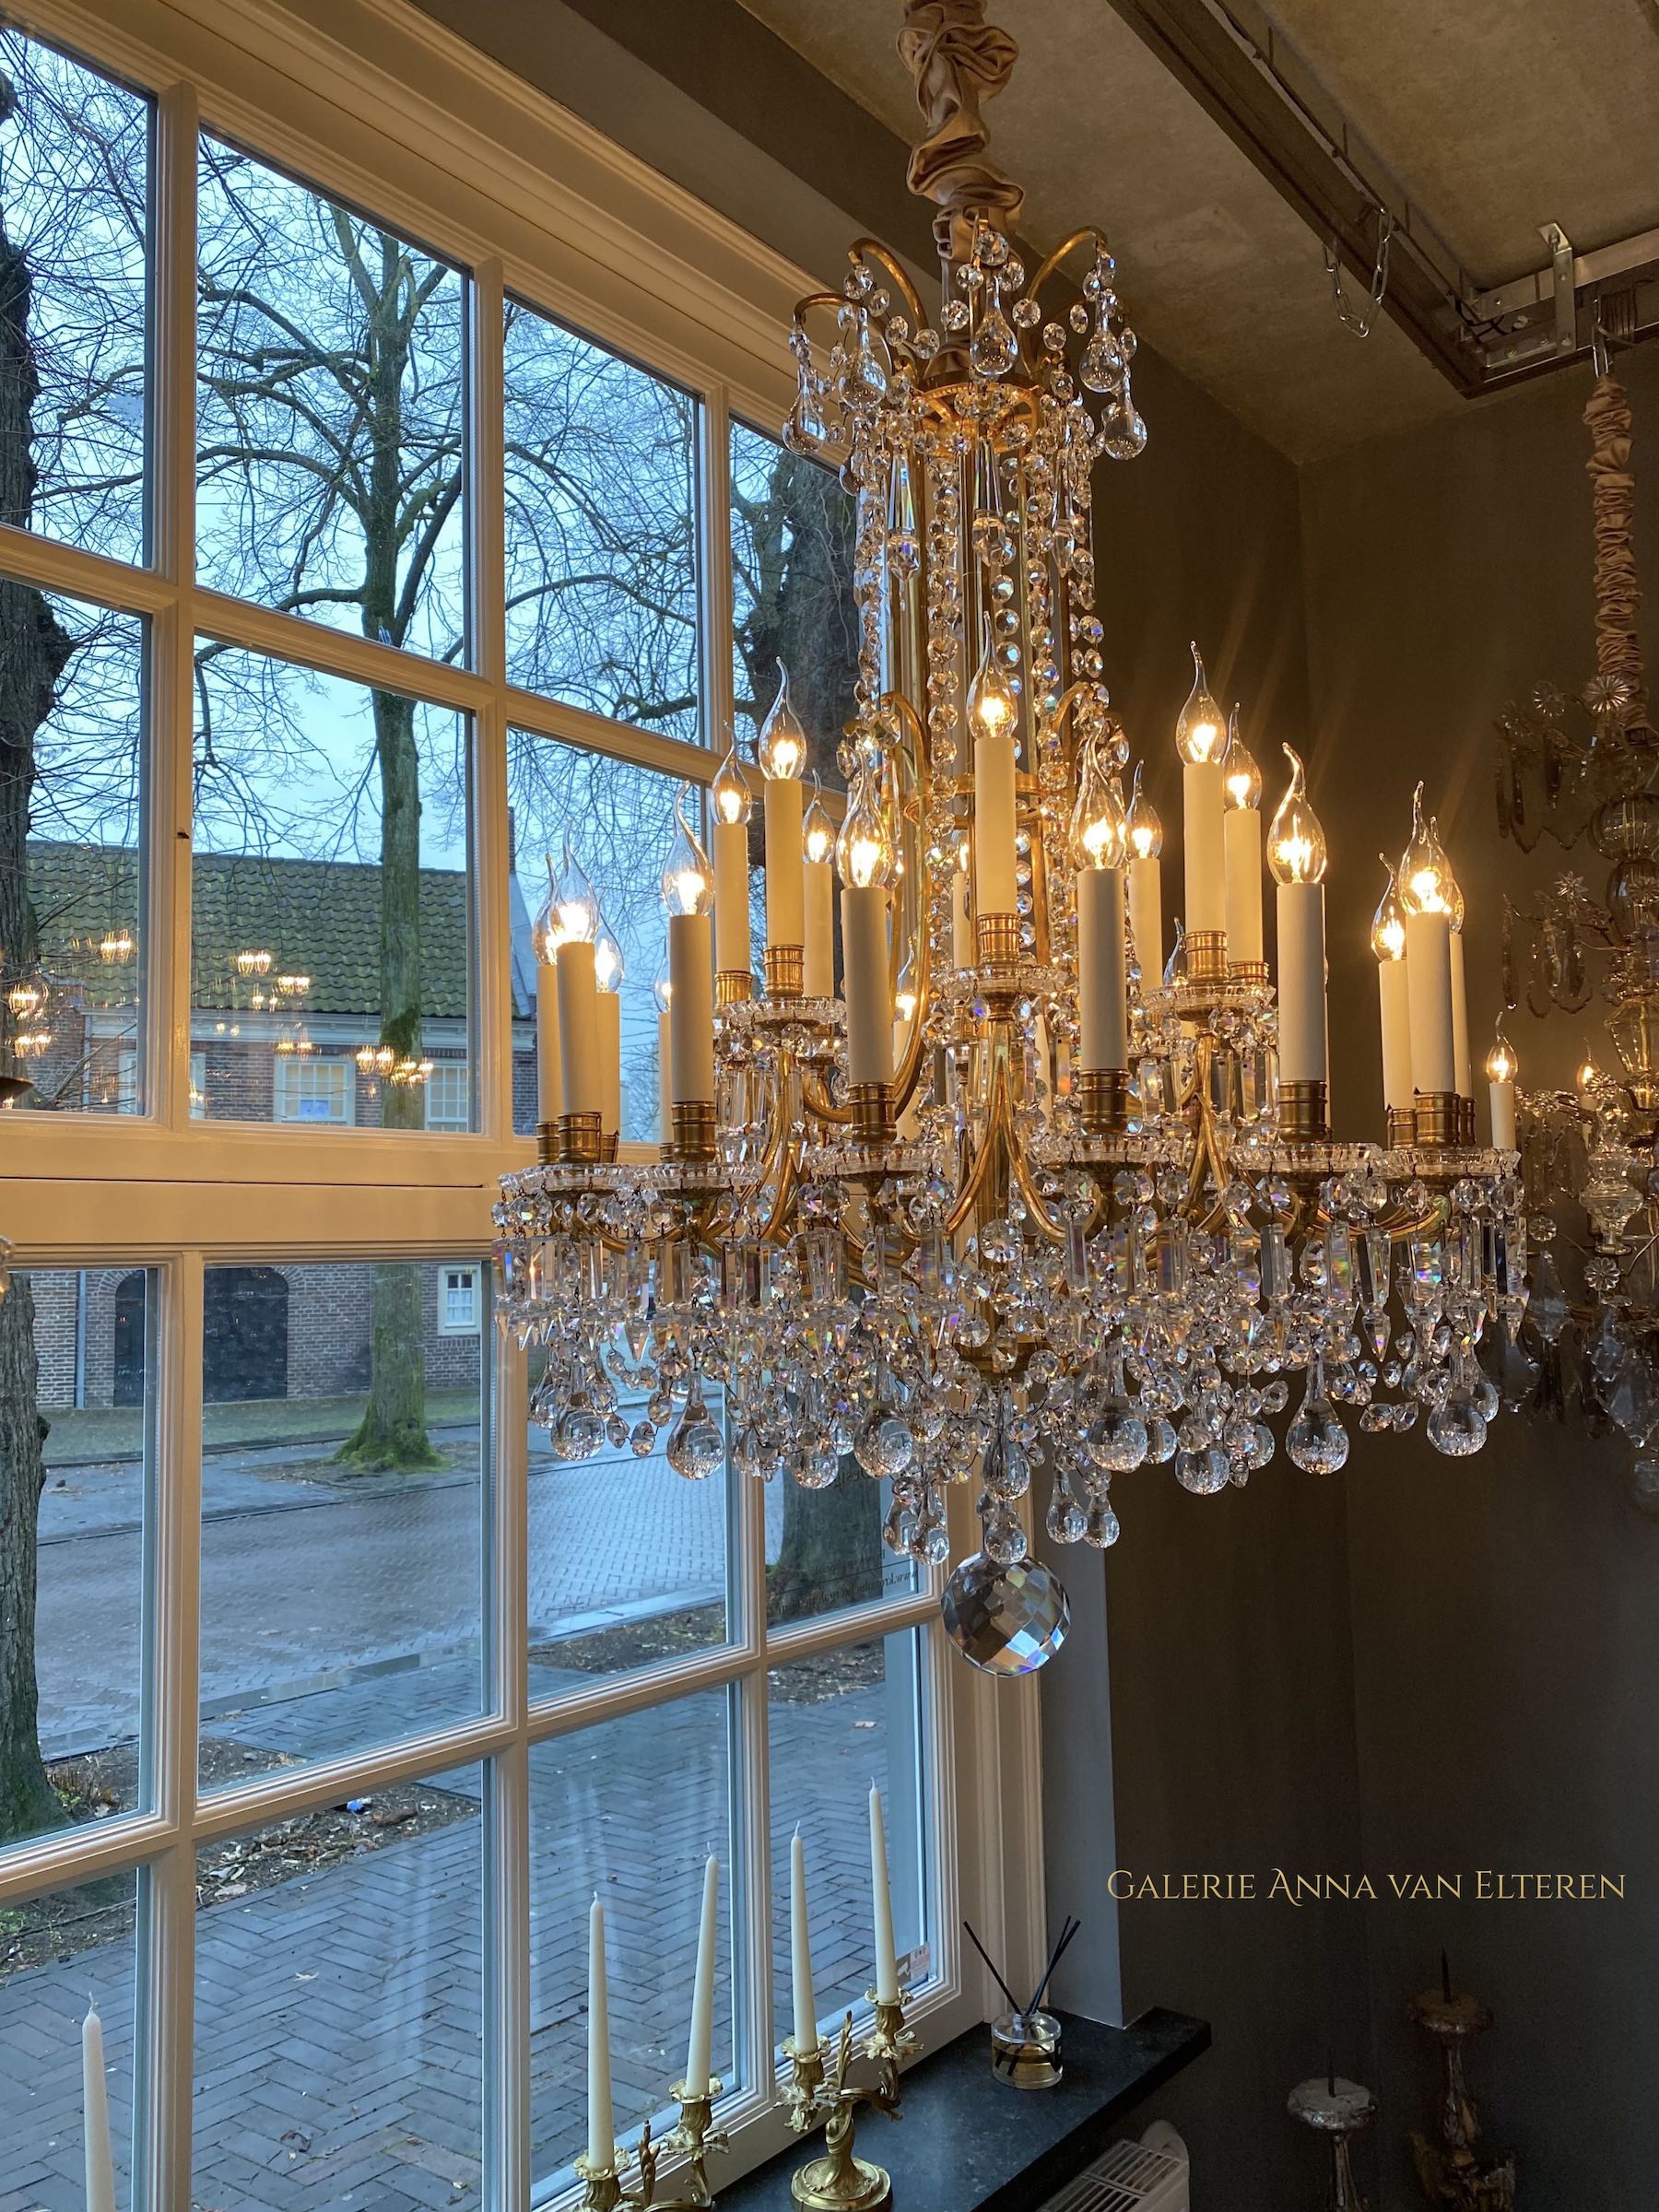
(1020, 1193)
(1586, 773)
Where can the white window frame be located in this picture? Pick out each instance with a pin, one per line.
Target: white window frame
(406, 120)
(472, 1325)
(458, 1074)
(291, 1088)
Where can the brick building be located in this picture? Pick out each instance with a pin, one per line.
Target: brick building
(277, 1036)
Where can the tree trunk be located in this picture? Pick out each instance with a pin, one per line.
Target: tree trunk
(34, 648)
(831, 1551)
(393, 1431)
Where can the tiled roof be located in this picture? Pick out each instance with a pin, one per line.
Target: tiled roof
(317, 917)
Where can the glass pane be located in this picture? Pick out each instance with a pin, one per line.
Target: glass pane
(620, 823)
(593, 1833)
(330, 429)
(824, 1551)
(601, 529)
(73, 1493)
(339, 2008)
(792, 592)
(71, 949)
(330, 900)
(74, 188)
(57, 1951)
(343, 1492)
(839, 1721)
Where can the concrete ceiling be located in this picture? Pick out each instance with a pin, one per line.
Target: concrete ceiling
(1494, 114)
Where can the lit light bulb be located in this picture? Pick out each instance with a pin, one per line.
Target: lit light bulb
(1503, 1065)
(1146, 829)
(1388, 923)
(818, 831)
(992, 711)
(688, 879)
(782, 750)
(864, 850)
(544, 930)
(729, 793)
(1099, 830)
(575, 904)
(26, 998)
(662, 985)
(1588, 1078)
(1296, 844)
(905, 994)
(608, 964)
(1240, 778)
(1200, 729)
(1451, 890)
(1424, 874)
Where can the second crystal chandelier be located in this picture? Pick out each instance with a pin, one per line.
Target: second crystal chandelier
(1017, 1193)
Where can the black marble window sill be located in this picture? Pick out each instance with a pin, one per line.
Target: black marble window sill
(968, 2143)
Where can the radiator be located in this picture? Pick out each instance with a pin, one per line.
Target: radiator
(1147, 2176)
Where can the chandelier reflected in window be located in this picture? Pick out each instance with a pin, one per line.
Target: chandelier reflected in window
(1020, 1196)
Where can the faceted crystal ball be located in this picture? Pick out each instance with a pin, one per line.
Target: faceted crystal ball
(1006, 1621)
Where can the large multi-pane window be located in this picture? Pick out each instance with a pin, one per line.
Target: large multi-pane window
(352, 563)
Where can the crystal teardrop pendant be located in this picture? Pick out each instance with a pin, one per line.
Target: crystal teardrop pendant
(1006, 1621)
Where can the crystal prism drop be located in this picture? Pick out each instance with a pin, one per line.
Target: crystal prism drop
(1006, 1621)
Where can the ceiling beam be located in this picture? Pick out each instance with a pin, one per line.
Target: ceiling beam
(1238, 87)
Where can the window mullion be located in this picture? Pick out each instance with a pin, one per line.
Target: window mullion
(170, 737)
(172, 1616)
(753, 2032)
(507, 1983)
(715, 484)
(492, 858)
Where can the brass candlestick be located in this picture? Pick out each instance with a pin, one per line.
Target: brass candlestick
(1336, 2109)
(1452, 2173)
(692, 2137)
(838, 2181)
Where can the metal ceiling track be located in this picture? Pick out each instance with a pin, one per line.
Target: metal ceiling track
(1257, 89)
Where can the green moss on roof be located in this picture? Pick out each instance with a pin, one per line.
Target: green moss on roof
(319, 918)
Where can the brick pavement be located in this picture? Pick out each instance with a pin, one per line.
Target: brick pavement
(338, 2015)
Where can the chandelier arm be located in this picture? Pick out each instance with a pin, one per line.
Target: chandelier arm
(908, 1072)
(985, 1160)
(873, 250)
(783, 1159)
(815, 1094)
(1089, 232)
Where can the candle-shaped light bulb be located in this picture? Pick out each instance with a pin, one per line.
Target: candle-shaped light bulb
(544, 931)
(575, 902)
(1589, 1075)
(1501, 1063)
(991, 709)
(1240, 774)
(1502, 1066)
(818, 831)
(1388, 923)
(781, 748)
(662, 986)
(1451, 890)
(1200, 728)
(729, 793)
(1424, 874)
(864, 850)
(1145, 826)
(609, 967)
(688, 880)
(1100, 829)
(1296, 843)
(905, 994)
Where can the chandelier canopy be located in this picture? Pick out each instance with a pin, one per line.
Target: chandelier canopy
(1022, 1193)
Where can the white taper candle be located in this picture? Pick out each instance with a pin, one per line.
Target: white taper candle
(602, 2141)
(887, 1963)
(702, 1988)
(95, 2117)
(800, 1950)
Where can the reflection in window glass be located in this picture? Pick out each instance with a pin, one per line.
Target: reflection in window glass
(824, 1549)
(339, 2007)
(331, 413)
(56, 1952)
(342, 1486)
(601, 529)
(620, 820)
(74, 187)
(74, 1400)
(792, 592)
(71, 948)
(592, 1796)
(839, 1721)
(330, 901)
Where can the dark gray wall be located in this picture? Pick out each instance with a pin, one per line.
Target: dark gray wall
(1505, 1628)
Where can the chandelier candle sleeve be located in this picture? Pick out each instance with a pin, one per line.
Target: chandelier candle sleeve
(702, 1988)
(1394, 992)
(579, 1027)
(1428, 973)
(730, 856)
(608, 1007)
(664, 1075)
(1200, 739)
(691, 1030)
(602, 2141)
(1301, 982)
(1102, 971)
(1145, 918)
(549, 1074)
(1241, 834)
(864, 977)
(994, 890)
(1461, 1061)
(785, 885)
(800, 1950)
(887, 1963)
(95, 2117)
(962, 907)
(1500, 1070)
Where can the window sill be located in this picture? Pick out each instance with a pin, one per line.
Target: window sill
(966, 2142)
